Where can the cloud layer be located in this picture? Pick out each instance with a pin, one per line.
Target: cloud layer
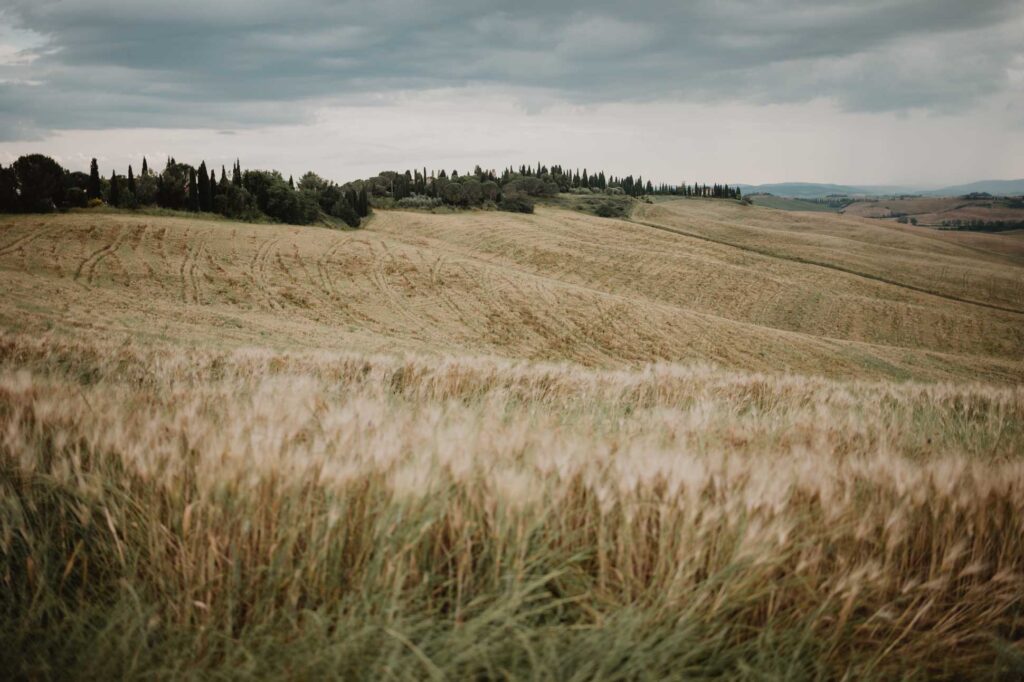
(97, 64)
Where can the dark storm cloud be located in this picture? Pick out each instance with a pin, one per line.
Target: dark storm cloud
(105, 64)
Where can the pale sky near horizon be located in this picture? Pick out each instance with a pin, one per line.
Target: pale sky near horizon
(908, 92)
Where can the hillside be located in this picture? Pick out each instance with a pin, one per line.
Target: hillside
(936, 211)
(787, 204)
(710, 440)
(814, 190)
(553, 286)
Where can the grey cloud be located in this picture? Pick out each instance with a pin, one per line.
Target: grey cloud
(230, 63)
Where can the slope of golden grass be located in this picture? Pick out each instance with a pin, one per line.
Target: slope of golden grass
(488, 446)
(252, 510)
(930, 261)
(934, 210)
(553, 286)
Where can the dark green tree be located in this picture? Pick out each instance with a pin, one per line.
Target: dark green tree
(131, 181)
(172, 186)
(364, 203)
(205, 199)
(145, 167)
(40, 183)
(95, 189)
(193, 190)
(9, 201)
(114, 197)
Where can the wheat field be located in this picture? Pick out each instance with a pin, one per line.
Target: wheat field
(712, 441)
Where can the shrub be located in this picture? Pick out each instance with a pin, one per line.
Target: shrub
(94, 203)
(418, 201)
(75, 197)
(453, 194)
(472, 192)
(490, 191)
(236, 202)
(611, 209)
(533, 187)
(343, 209)
(516, 202)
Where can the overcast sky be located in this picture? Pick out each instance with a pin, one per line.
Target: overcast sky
(924, 92)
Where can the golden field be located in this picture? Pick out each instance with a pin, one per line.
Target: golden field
(712, 441)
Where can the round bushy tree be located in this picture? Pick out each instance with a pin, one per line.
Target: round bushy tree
(41, 182)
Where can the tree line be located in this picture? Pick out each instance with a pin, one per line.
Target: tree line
(516, 188)
(37, 183)
(979, 225)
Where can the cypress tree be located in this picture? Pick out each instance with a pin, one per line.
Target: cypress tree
(291, 183)
(131, 181)
(145, 167)
(193, 190)
(364, 203)
(93, 190)
(236, 174)
(115, 189)
(203, 190)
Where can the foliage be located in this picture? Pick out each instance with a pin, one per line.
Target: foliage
(979, 225)
(612, 209)
(236, 202)
(515, 202)
(172, 186)
(40, 183)
(10, 202)
(417, 201)
(146, 190)
(277, 199)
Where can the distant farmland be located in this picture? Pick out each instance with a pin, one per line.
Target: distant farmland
(790, 204)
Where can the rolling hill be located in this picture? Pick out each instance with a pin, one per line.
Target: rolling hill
(696, 281)
(711, 439)
(814, 190)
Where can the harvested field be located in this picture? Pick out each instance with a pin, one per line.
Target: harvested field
(715, 440)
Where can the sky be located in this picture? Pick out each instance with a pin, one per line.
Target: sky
(911, 92)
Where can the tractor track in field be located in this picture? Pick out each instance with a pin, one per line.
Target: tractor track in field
(259, 276)
(381, 279)
(87, 268)
(323, 270)
(21, 242)
(191, 291)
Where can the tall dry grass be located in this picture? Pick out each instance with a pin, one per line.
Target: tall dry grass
(169, 512)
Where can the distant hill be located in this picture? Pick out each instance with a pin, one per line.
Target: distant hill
(993, 187)
(802, 189)
(814, 190)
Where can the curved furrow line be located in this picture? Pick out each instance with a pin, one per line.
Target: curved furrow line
(87, 268)
(326, 281)
(24, 240)
(380, 279)
(258, 273)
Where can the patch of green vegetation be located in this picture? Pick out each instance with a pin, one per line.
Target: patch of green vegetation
(601, 205)
(786, 204)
